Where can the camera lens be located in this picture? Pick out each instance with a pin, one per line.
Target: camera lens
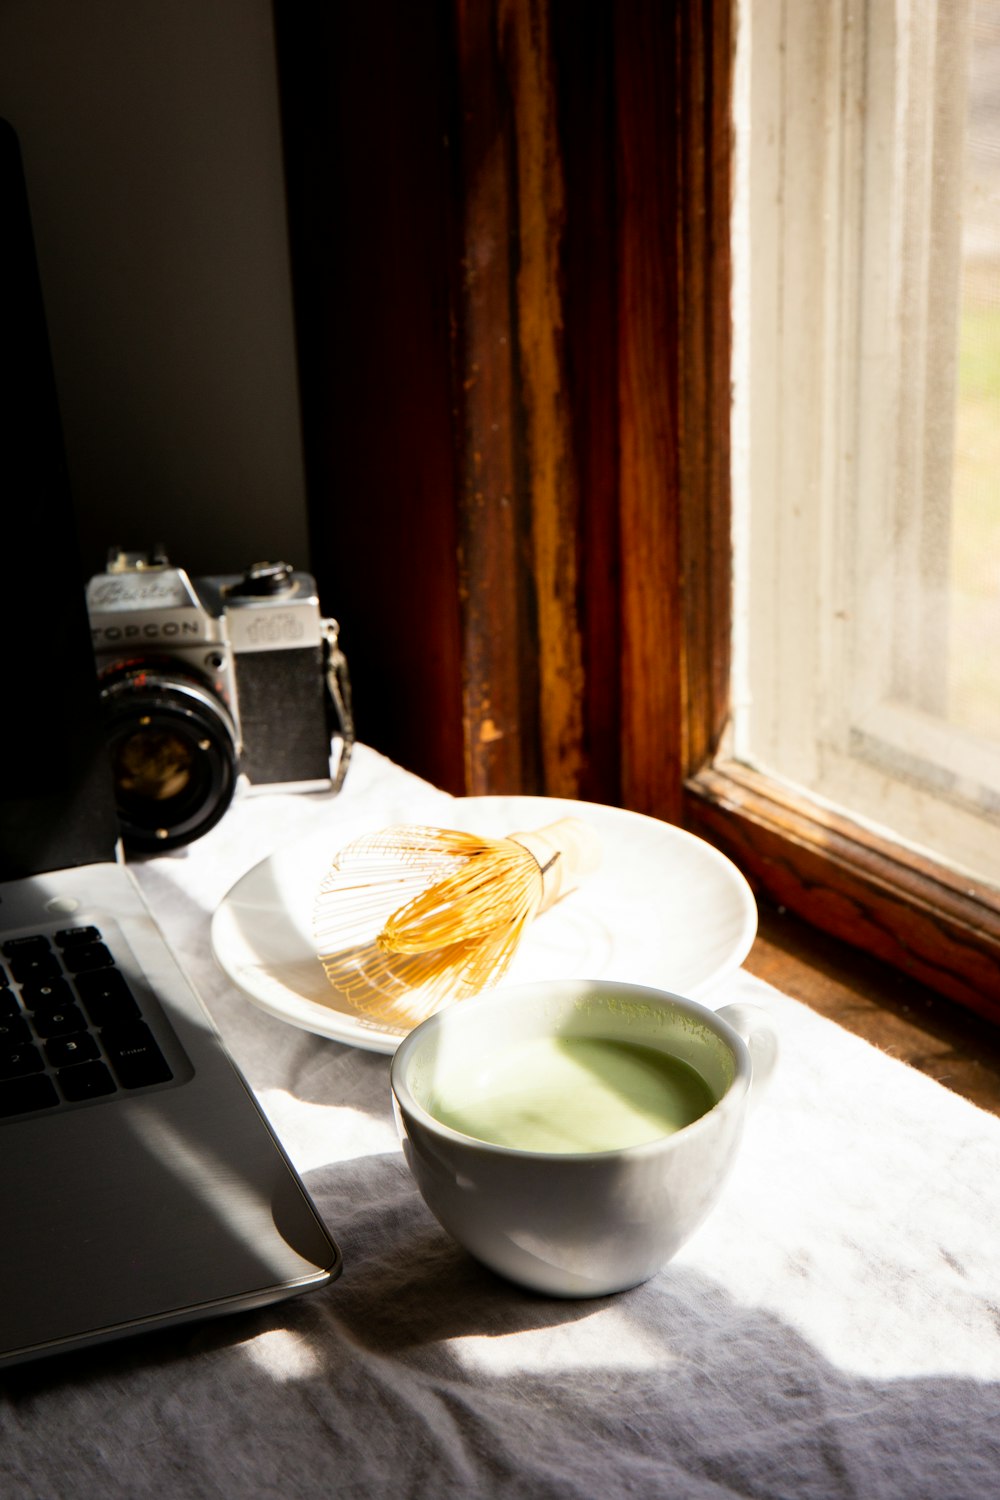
(173, 754)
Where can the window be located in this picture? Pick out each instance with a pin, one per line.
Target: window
(517, 370)
(867, 318)
(852, 471)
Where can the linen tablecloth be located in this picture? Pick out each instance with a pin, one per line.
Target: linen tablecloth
(832, 1330)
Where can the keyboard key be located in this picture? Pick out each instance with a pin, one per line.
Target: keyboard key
(33, 963)
(71, 1030)
(8, 1005)
(85, 1081)
(23, 946)
(58, 1020)
(106, 996)
(18, 1061)
(83, 956)
(134, 1055)
(72, 935)
(18, 1096)
(47, 993)
(14, 1030)
(63, 1051)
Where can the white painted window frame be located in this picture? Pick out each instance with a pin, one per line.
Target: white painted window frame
(846, 253)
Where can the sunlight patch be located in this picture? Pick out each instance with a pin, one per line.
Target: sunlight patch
(284, 1355)
(325, 1133)
(603, 1340)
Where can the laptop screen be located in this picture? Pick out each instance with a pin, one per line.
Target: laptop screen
(56, 800)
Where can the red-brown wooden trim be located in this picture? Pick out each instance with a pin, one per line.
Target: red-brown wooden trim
(549, 472)
(706, 52)
(367, 112)
(652, 646)
(893, 903)
(498, 727)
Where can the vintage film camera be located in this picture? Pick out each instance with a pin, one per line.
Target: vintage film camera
(205, 681)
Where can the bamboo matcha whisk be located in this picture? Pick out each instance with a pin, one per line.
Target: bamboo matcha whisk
(410, 918)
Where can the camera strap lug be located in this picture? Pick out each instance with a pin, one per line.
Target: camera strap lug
(338, 685)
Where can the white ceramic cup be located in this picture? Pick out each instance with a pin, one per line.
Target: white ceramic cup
(579, 1224)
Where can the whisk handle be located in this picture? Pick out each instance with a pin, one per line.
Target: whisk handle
(566, 851)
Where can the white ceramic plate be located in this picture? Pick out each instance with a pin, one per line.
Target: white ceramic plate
(664, 909)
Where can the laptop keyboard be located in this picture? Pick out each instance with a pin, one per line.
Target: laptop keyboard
(71, 1028)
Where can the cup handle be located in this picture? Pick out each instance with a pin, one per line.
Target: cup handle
(757, 1030)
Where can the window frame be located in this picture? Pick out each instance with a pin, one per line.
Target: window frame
(897, 903)
(539, 528)
(847, 277)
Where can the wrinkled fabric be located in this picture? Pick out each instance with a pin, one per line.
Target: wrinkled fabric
(832, 1330)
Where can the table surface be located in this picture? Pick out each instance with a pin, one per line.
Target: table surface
(833, 1329)
(942, 1038)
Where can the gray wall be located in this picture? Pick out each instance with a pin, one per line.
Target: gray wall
(151, 144)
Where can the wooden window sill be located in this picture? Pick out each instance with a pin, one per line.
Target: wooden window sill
(900, 1016)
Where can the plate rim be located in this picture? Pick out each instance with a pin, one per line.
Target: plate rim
(309, 1015)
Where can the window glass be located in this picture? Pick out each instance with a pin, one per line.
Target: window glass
(867, 413)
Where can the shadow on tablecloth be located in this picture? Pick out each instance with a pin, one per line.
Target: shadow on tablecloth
(420, 1374)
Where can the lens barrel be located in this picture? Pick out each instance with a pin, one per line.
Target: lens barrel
(174, 754)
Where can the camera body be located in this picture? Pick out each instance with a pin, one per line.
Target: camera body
(203, 681)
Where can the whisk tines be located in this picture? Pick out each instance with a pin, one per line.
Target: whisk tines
(411, 918)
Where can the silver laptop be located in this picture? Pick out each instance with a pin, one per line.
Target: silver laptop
(140, 1185)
